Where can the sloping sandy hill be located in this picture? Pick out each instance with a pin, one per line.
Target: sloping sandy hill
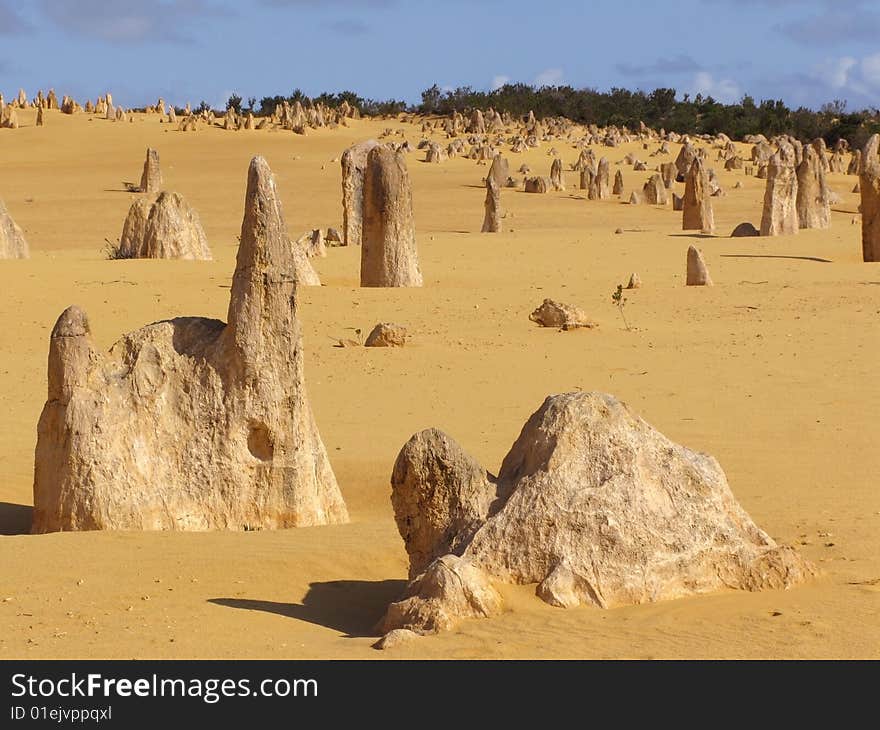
(773, 371)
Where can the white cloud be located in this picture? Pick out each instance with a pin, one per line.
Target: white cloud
(845, 77)
(870, 70)
(499, 81)
(549, 77)
(835, 72)
(723, 90)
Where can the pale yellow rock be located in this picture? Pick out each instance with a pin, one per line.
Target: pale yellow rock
(813, 197)
(855, 163)
(593, 505)
(163, 226)
(697, 214)
(499, 171)
(654, 191)
(556, 314)
(492, 206)
(538, 185)
(697, 273)
(386, 334)
(435, 153)
(313, 244)
(151, 177)
(599, 186)
(450, 589)
(190, 423)
(395, 638)
(10, 118)
(686, 156)
(354, 165)
(389, 256)
(13, 244)
(477, 124)
(779, 216)
(557, 178)
(669, 172)
(303, 270)
(869, 190)
(440, 495)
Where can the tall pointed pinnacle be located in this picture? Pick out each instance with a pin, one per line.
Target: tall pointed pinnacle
(697, 272)
(262, 318)
(226, 437)
(151, 177)
(869, 187)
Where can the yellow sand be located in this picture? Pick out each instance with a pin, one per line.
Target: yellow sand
(773, 371)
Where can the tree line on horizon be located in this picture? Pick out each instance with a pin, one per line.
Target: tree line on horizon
(658, 109)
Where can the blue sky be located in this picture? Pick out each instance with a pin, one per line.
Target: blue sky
(803, 51)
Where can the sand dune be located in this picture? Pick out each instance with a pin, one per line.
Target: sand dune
(772, 370)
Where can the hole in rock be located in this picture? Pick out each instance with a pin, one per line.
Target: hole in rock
(260, 442)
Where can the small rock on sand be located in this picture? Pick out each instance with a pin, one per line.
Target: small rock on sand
(396, 638)
(386, 334)
(556, 314)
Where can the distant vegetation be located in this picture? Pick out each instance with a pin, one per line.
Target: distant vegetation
(657, 109)
(267, 104)
(660, 109)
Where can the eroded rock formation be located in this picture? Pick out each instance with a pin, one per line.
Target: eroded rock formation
(697, 273)
(190, 423)
(779, 216)
(592, 504)
(696, 205)
(654, 191)
(686, 156)
(499, 170)
(869, 189)
(812, 198)
(600, 188)
(13, 244)
(354, 165)
(557, 179)
(442, 519)
(386, 334)
(564, 316)
(538, 185)
(492, 216)
(151, 177)
(388, 254)
(163, 226)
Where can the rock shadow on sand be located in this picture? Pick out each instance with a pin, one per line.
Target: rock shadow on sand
(350, 606)
(15, 519)
(774, 256)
